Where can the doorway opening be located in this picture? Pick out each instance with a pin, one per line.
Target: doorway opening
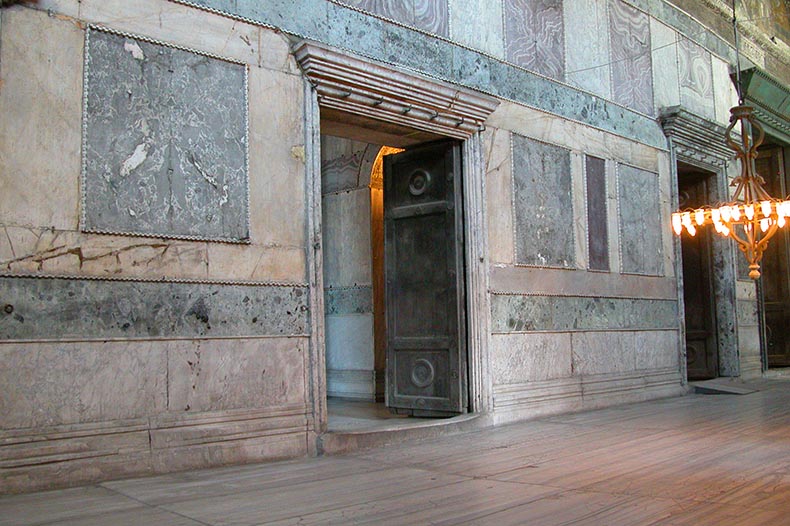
(394, 275)
(773, 165)
(696, 187)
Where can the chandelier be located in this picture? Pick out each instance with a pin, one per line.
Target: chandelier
(753, 216)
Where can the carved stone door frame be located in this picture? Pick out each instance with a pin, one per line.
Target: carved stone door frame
(699, 142)
(344, 82)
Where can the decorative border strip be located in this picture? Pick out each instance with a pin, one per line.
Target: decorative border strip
(575, 295)
(191, 281)
(84, 162)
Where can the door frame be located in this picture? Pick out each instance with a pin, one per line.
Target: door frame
(465, 112)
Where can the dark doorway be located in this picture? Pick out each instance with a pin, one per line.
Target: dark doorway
(694, 190)
(424, 281)
(771, 164)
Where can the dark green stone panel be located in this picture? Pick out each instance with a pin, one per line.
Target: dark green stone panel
(36, 308)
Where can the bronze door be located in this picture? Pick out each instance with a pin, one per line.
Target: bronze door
(775, 269)
(424, 281)
(701, 343)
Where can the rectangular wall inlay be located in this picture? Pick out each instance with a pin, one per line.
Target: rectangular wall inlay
(42, 308)
(632, 79)
(165, 141)
(597, 234)
(534, 36)
(696, 78)
(641, 229)
(518, 313)
(542, 204)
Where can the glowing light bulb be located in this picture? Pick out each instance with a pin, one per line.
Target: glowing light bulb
(726, 213)
(780, 222)
(691, 229)
(677, 225)
(766, 206)
(686, 218)
(736, 213)
(764, 224)
(699, 216)
(715, 215)
(748, 211)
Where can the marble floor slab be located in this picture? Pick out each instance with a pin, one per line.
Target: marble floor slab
(695, 460)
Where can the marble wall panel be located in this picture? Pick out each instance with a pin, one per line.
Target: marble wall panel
(632, 82)
(214, 375)
(587, 53)
(348, 300)
(346, 231)
(535, 36)
(47, 384)
(657, 350)
(256, 262)
(165, 141)
(746, 313)
(641, 229)
(36, 308)
(543, 207)
(519, 358)
(696, 78)
(40, 104)
(522, 313)
(478, 24)
(603, 352)
(345, 164)
(499, 195)
(724, 93)
(597, 217)
(429, 15)
(174, 23)
(666, 80)
(277, 180)
(350, 338)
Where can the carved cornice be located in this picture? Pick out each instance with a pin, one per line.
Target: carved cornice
(695, 137)
(356, 85)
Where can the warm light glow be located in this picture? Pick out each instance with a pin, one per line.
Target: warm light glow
(758, 215)
(677, 225)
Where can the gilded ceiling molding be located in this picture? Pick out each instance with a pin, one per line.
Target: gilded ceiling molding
(348, 83)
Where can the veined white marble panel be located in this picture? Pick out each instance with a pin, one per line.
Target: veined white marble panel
(47, 384)
(345, 163)
(257, 262)
(603, 352)
(41, 108)
(347, 251)
(212, 375)
(587, 53)
(499, 195)
(277, 169)
(666, 83)
(612, 211)
(656, 350)
(745, 290)
(478, 24)
(349, 342)
(696, 82)
(725, 95)
(545, 127)
(518, 358)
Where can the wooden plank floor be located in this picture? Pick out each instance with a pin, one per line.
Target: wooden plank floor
(697, 460)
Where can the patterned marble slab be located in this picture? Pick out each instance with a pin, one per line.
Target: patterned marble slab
(165, 141)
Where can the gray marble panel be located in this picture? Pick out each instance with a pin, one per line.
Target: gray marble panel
(696, 78)
(429, 15)
(348, 29)
(542, 202)
(517, 313)
(641, 229)
(165, 145)
(632, 79)
(433, 56)
(534, 36)
(348, 300)
(747, 313)
(36, 308)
